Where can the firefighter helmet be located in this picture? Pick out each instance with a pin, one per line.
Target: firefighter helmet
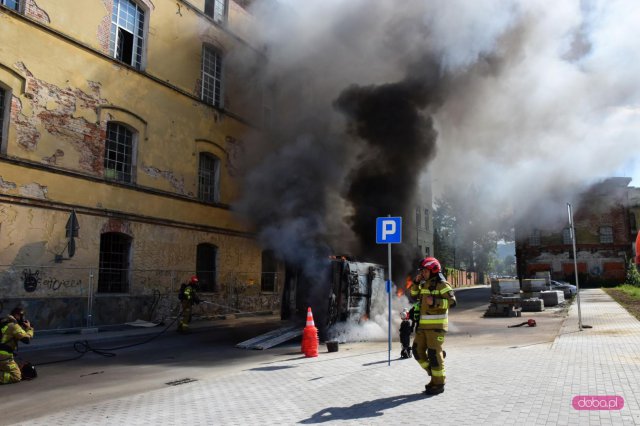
(431, 264)
(404, 315)
(194, 279)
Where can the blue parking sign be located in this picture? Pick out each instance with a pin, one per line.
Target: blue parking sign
(388, 230)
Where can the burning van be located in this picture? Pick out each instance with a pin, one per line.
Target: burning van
(342, 291)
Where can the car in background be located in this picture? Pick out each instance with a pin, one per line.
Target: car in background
(568, 289)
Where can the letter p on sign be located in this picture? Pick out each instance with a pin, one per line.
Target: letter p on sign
(388, 230)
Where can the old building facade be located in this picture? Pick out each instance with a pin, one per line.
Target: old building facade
(605, 224)
(121, 125)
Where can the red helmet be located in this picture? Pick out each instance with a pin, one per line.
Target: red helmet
(194, 279)
(430, 263)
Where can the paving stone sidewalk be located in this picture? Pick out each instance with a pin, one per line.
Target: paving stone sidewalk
(530, 385)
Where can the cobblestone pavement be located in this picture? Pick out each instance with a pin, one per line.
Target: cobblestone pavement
(531, 385)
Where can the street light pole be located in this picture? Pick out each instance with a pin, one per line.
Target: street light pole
(572, 230)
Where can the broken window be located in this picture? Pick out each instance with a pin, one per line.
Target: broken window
(211, 76)
(566, 236)
(206, 259)
(11, 4)
(208, 178)
(216, 10)
(127, 33)
(118, 153)
(606, 234)
(269, 272)
(115, 249)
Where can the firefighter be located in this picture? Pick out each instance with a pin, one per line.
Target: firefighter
(435, 297)
(14, 328)
(188, 296)
(405, 335)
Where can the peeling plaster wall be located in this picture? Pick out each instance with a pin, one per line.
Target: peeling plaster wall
(62, 97)
(161, 258)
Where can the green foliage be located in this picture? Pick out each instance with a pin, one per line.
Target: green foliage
(633, 276)
(631, 290)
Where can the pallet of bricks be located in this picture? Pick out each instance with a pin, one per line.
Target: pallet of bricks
(531, 291)
(505, 298)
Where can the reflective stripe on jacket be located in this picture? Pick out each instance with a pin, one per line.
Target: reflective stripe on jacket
(433, 317)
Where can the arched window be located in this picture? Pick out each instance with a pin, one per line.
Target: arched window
(206, 261)
(211, 92)
(118, 155)
(208, 178)
(115, 250)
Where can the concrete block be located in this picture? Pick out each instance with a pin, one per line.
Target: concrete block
(552, 297)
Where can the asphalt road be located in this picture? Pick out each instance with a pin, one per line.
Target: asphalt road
(207, 354)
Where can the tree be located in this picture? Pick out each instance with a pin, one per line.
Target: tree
(633, 276)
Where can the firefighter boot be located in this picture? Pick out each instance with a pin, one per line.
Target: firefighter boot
(431, 389)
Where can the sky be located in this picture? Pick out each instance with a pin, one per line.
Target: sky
(512, 105)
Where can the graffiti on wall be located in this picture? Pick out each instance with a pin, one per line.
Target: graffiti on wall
(33, 279)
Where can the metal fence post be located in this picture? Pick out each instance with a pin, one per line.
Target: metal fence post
(90, 300)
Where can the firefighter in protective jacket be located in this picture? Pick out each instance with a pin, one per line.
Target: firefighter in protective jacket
(188, 297)
(435, 297)
(14, 328)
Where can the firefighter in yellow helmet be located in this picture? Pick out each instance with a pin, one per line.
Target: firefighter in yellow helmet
(435, 296)
(14, 328)
(188, 297)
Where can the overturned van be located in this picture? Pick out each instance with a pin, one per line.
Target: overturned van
(343, 290)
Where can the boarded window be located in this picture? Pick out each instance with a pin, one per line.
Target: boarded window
(208, 178)
(269, 272)
(211, 76)
(606, 234)
(118, 153)
(127, 33)
(206, 260)
(115, 251)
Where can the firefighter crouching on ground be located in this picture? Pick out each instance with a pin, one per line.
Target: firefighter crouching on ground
(435, 297)
(15, 328)
(188, 296)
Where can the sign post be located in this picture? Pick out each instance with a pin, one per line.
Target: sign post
(389, 231)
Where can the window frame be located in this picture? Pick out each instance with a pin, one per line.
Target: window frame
(534, 237)
(566, 236)
(268, 279)
(426, 219)
(418, 217)
(5, 116)
(209, 79)
(139, 44)
(213, 188)
(210, 10)
(604, 237)
(132, 154)
(18, 7)
(125, 285)
(204, 274)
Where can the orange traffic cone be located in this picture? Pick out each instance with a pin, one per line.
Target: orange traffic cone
(310, 337)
